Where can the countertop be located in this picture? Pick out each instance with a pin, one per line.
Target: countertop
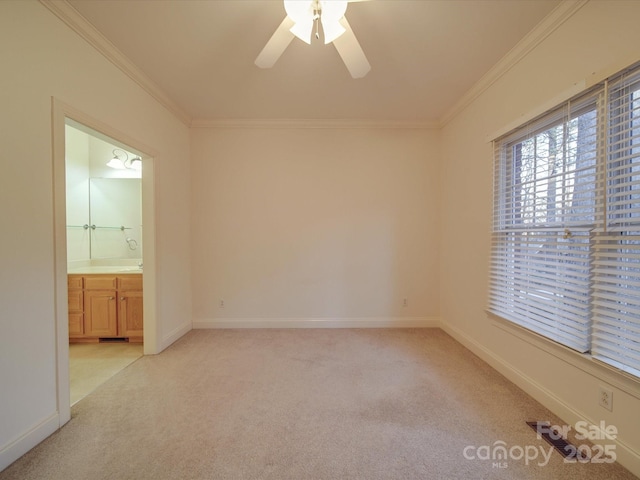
(120, 270)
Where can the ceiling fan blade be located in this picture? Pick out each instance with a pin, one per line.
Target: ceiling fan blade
(351, 52)
(276, 45)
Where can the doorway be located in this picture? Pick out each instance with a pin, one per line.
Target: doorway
(125, 242)
(104, 243)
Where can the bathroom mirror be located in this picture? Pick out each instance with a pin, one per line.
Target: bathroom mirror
(116, 218)
(108, 222)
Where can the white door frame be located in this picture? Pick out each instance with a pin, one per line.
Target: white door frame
(60, 112)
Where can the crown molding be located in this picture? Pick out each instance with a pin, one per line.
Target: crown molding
(302, 123)
(541, 31)
(70, 16)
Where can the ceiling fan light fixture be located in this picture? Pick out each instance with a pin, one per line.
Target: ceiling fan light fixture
(299, 11)
(305, 12)
(334, 9)
(299, 22)
(332, 30)
(332, 12)
(303, 30)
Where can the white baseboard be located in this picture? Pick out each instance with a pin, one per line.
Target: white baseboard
(625, 455)
(174, 335)
(325, 322)
(14, 450)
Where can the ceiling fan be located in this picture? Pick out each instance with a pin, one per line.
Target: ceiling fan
(302, 16)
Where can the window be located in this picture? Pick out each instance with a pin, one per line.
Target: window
(566, 228)
(616, 291)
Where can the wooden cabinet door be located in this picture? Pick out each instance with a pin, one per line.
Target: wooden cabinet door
(75, 301)
(76, 325)
(100, 314)
(76, 308)
(130, 314)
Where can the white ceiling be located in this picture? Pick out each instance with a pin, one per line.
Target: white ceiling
(424, 54)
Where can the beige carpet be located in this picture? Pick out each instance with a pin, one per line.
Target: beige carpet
(301, 404)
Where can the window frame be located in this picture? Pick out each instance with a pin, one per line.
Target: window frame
(593, 228)
(531, 285)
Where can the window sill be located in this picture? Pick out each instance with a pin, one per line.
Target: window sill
(583, 361)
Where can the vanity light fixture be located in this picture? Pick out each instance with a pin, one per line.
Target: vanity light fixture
(121, 161)
(116, 161)
(136, 163)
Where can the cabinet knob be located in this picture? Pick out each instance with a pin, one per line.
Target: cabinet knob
(111, 298)
(123, 298)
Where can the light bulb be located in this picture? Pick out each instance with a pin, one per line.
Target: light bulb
(136, 164)
(115, 162)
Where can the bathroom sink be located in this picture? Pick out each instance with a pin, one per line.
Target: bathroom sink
(130, 269)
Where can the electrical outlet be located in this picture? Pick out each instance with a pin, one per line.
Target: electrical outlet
(605, 398)
(221, 304)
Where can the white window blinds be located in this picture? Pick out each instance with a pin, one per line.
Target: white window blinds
(616, 292)
(544, 211)
(565, 259)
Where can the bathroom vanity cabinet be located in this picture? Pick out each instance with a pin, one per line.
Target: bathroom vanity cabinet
(105, 307)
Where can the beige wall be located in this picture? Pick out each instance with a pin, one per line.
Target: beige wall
(42, 58)
(329, 224)
(293, 223)
(599, 35)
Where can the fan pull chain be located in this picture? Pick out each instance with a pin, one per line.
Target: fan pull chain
(316, 19)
